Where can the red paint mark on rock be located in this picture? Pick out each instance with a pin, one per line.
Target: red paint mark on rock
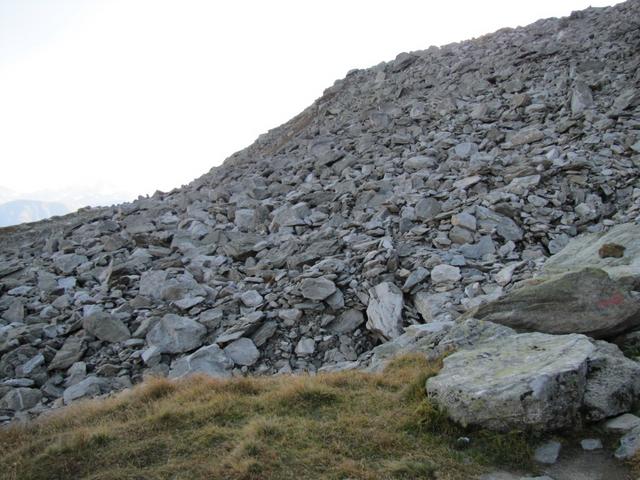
(613, 300)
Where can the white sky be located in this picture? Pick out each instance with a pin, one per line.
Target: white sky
(140, 95)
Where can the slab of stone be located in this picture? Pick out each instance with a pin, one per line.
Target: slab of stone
(176, 334)
(629, 444)
(443, 274)
(548, 452)
(317, 288)
(526, 381)
(71, 351)
(106, 327)
(584, 251)
(384, 312)
(622, 423)
(209, 360)
(242, 351)
(586, 301)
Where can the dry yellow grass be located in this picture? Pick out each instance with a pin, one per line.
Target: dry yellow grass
(349, 425)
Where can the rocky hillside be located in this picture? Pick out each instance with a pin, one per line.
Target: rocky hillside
(424, 190)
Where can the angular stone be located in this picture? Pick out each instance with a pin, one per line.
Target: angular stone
(622, 423)
(428, 208)
(613, 383)
(384, 311)
(317, 288)
(629, 444)
(210, 360)
(526, 381)
(67, 263)
(306, 346)
(347, 322)
(70, 352)
(581, 98)
(89, 387)
(548, 452)
(106, 327)
(445, 274)
(175, 334)
(242, 351)
(587, 302)
(19, 399)
(251, 298)
(417, 276)
(431, 305)
(583, 251)
(152, 283)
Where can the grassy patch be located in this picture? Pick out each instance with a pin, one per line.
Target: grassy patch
(335, 426)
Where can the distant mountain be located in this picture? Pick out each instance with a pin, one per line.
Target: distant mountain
(21, 211)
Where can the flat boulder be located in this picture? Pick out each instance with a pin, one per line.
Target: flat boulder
(535, 381)
(529, 380)
(587, 301)
(176, 334)
(384, 311)
(317, 288)
(210, 360)
(617, 252)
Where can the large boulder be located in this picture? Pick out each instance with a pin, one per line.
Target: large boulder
(433, 340)
(176, 334)
(586, 301)
(384, 311)
(535, 381)
(601, 250)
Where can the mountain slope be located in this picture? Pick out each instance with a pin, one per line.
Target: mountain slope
(396, 198)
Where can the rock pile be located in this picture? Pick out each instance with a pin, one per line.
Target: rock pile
(410, 193)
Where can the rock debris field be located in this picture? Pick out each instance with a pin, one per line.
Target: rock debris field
(480, 198)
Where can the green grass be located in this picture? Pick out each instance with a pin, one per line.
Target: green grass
(349, 425)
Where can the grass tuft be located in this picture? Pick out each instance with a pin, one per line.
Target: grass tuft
(352, 425)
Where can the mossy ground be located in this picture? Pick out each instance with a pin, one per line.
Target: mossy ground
(349, 425)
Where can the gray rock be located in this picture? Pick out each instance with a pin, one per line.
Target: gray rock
(622, 423)
(152, 282)
(106, 327)
(384, 312)
(21, 398)
(548, 452)
(317, 288)
(586, 302)
(590, 444)
(431, 305)
(347, 321)
(419, 162)
(445, 274)
(613, 383)
(70, 352)
(89, 387)
(242, 351)
(68, 263)
(209, 360)
(306, 346)
(526, 381)
(428, 208)
(583, 251)
(581, 98)
(416, 277)
(175, 334)
(251, 298)
(629, 444)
